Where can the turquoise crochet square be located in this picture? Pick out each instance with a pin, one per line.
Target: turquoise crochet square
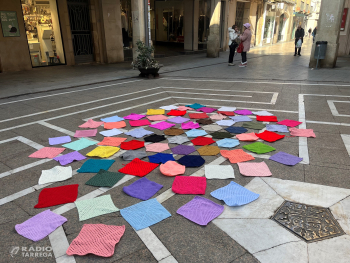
(95, 165)
(79, 144)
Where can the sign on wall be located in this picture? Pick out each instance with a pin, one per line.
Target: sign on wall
(343, 20)
(9, 23)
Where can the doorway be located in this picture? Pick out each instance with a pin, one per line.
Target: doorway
(281, 27)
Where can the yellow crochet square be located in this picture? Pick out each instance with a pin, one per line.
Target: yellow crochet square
(103, 151)
(155, 112)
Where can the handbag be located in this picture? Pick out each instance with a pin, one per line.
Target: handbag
(240, 48)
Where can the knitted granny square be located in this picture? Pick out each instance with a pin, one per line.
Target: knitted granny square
(262, 113)
(172, 168)
(302, 132)
(196, 133)
(254, 169)
(190, 125)
(59, 140)
(191, 161)
(103, 151)
(183, 149)
(142, 189)
(173, 131)
(189, 185)
(112, 132)
(224, 108)
(254, 125)
(200, 210)
(131, 155)
(285, 158)
(266, 118)
(212, 128)
(176, 113)
(55, 174)
(240, 118)
(134, 117)
(234, 194)
(57, 196)
(139, 123)
(217, 117)
(85, 133)
(184, 108)
(219, 171)
(225, 122)
(144, 214)
(138, 168)
(40, 225)
(198, 115)
(94, 166)
(69, 158)
(236, 130)
(157, 118)
(95, 207)
(162, 125)
(112, 119)
(169, 107)
(276, 128)
(228, 143)
(208, 150)
(161, 158)
(221, 135)
(237, 156)
(178, 139)
(112, 141)
(204, 121)
(91, 124)
(202, 141)
(289, 123)
(206, 109)
(105, 179)
(270, 136)
(195, 106)
(139, 133)
(79, 144)
(155, 138)
(157, 147)
(243, 112)
(259, 148)
(178, 119)
(247, 137)
(114, 125)
(47, 152)
(97, 239)
(226, 113)
(155, 111)
(132, 145)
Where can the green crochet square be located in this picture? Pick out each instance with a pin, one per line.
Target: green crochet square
(254, 125)
(105, 179)
(221, 135)
(259, 148)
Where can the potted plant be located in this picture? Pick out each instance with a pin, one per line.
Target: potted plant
(145, 62)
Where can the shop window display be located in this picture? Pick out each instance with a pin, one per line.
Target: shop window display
(204, 21)
(43, 32)
(126, 22)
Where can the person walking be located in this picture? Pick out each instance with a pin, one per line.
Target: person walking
(299, 35)
(310, 30)
(314, 34)
(232, 43)
(245, 40)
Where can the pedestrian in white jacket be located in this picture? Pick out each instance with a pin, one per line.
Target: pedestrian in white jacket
(233, 35)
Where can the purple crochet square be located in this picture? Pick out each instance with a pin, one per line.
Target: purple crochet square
(285, 158)
(162, 125)
(190, 125)
(200, 210)
(142, 189)
(40, 225)
(59, 140)
(134, 117)
(243, 112)
(206, 109)
(183, 149)
(178, 119)
(69, 158)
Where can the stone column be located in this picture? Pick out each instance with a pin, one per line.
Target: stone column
(328, 29)
(213, 46)
(252, 20)
(263, 25)
(138, 24)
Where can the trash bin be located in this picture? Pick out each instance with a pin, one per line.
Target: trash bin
(320, 50)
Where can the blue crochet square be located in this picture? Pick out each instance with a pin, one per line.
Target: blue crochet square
(95, 165)
(228, 143)
(196, 133)
(144, 214)
(276, 128)
(236, 130)
(139, 133)
(112, 119)
(161, 158)
(240, 118)
(195, 106)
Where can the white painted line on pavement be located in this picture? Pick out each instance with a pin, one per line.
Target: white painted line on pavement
(226, 90)
(196, 98)
(59, 244)
(329, 123)
(303, 149)
(346, 140)
(24, 167)
(210, 94)
(334, 109)
(17, 195)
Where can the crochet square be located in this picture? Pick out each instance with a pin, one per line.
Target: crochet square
(247, 137)
(97, 239)
(47, 152)
(198, 115)
(157, 147)
(79, 144)
(112, 132)
(91, 124)
(219, 171)
(138, 168)
(195, 106)
(240, 118)
(169, 107)
(189, 185)
(112, 141)
(40, 225)
(178, 139)
(173, 131)
(302, 132)
(202, 141)
(234, 194)
(196, 133)
(94, 166)
(176, 113)
(95, 207)
(69, 158)
(236, 130)
(139, 123)
(57, 196)
(144, 214)
(114, 125)
(183, 149)
(225, 108)
(221, 135)
(212, 128)
(85, 133)
(205, 121)
(172, 168)
(254, 125)
(206, 109)
(200, 210)
(266, 118)
(59, 140)
(289, 123)
(190, 125)
(237, 156)
(225, 122)
(112, 119)
(270, 136)
(208, 150)
(157, 117)
(262, 113)
(155, 138)
(184, 108)
(134, 117)
(191, 161)
(254, 169)
(217, 117)
(276, 128)
(161, 158)
(162, 125)
(226, 113)
(55, 174)
(142, 189)
(259, 148)
(228, 143)
(178, 119)
(105, 179)
(132, 145)
(131, 155)
(155, 111)
(243, 112)
(139, 133)
(285, 158)
(103, 151)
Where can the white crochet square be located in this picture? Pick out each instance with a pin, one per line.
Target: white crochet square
(219, 171)
(56, 174)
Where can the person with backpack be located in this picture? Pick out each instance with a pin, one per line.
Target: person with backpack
(233, 36)
(299, 37)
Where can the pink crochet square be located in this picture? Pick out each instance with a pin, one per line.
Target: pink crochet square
(157, 117)
(237, 156)
(302, 132)
(247, 137)
(217, 117)
(97, 239)
(184, 108)
(157, 147)
(139, 123)
(85, 133)
(47, 152)
(289, 123)
(189, 125)
(162, 125)
(91, 124)
(134, 117)
(254, 169)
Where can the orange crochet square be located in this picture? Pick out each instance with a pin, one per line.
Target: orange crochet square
(237, 156)
(114, 125)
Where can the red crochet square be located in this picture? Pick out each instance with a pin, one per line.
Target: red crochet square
(198, 115)
(176, 113)
(139, 123)
(138, 168)
(57, 196)
(189, 185)
(269, 136)
(227, 113)
(266, 118)
(202, 141)
(132, 145)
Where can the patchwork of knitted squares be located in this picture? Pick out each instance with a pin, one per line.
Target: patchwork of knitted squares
(112, 119)
(40, 225)
(95, 207)
(172, 168)
(169, 107)
(139, 123)
(254, 169)
(276, 128)
(176, 113)
(202, 141)
(200, 210)
(112, 141)
(91, 124)
(262, 113)
(79, 144)
(134, 117)
(285, 158)
(225, 108)
(97, 239)
(198, 115)
(162, 125)
(236, 130)
(144, 214)
(225, 122)
(266, 118)
(157, 117)
(55, 174)
(157, 147)
(237, 156)
(240, 118)
(204, 121)
(111, 132)
(290, 123)
(131, 155)
(226, 113)
(254, 125)
(94, 166)
(191, 161)
(217, 117)
(178, 139)
(155, 138)
(132, 145)
(183, 149)
(114, 125)
(155, 111)
(219, 171)
(213, 127)
(195, 106)
(189, 185)
(270, 136)
(161, 158)
(142, 189)
(57, 195)
(243, 112)
(69, 158)
(85, 133)
(234, 194)
(138, 168)
(209, 150)
(196, 133)
(221, 135)
(178, 119)
(302, 132)
(247, 137)
(103, 151)
(228, 143)
(105, 179)
(59, 140)
(206, 109)
(173, 131)
(189, 125)
(259, 148)
(47, 152)
(139, 133)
